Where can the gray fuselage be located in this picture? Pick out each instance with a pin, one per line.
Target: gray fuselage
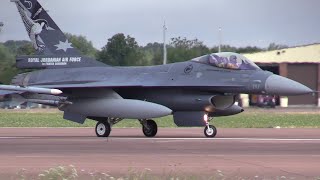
(179, 86)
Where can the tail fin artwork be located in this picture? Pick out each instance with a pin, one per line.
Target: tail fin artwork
(45, 35)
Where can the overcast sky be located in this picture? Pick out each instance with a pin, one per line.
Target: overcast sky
(243, 22)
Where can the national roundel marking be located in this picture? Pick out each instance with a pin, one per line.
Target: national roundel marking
(188, 69)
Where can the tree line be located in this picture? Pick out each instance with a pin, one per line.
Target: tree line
(122, 50)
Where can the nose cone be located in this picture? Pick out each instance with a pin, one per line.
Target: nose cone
(278, 85)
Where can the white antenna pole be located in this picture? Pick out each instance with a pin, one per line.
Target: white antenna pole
(164, 43)
(220, 39)
(1, 25)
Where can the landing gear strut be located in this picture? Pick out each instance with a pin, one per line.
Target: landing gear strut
(149, 127)
(103, 129)
(209, 131)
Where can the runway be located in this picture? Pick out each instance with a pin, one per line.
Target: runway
(245, 153)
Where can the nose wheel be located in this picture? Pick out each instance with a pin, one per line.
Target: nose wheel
(103, 129)
(210, 131)
(149, 127)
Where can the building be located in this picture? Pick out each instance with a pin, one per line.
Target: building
(300, 63)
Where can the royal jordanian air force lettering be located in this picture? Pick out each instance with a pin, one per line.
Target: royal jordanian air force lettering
(52, 61)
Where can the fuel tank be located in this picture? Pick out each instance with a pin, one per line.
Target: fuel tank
(116, 108)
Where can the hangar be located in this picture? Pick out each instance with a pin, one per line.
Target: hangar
(301, 63)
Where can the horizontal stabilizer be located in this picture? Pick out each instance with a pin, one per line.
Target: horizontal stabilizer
(5, 92)
(17, 100)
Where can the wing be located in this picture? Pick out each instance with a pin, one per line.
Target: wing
(110, 84)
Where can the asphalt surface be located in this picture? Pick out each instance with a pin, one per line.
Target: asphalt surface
(245, 153)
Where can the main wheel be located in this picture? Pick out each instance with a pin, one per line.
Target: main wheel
(210, 132)
(103, 129)
(150, 128)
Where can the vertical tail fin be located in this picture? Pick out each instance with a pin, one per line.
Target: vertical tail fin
(45, 35)
(48, 40)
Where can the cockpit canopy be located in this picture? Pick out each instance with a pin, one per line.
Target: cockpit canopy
(228, 60)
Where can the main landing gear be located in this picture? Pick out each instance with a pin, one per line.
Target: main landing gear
(149, 127)
(103, 127)
(209, 131)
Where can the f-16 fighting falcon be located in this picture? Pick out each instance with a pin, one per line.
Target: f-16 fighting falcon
(193, 91)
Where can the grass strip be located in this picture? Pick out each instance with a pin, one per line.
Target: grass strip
(250, 119)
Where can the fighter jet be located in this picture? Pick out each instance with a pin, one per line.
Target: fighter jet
(193, 91)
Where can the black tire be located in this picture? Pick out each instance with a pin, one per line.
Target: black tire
(103, 129)
(150, 128)
(210, 134)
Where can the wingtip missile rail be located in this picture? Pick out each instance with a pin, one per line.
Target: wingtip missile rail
(31, 89)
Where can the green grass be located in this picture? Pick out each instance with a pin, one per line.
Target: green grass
(250, 119)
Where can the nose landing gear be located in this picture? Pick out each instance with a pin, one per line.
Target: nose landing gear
(210, 131)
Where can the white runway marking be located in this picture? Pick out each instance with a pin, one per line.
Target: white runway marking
(213, 139)
(14, 137)
(166, 139)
